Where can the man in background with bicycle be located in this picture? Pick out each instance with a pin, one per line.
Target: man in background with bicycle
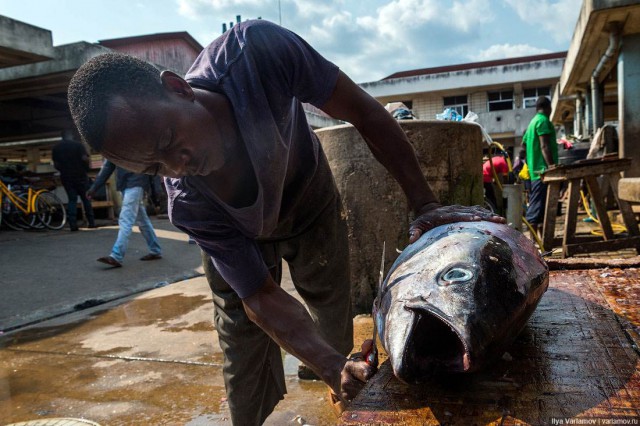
(70, 158)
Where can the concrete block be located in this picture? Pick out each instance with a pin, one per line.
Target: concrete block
(629, 189)
(450, 155)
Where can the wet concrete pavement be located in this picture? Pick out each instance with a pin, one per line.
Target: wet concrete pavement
(147, 360)
(48, 273)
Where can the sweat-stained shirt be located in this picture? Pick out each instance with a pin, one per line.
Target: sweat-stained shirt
(266, 72)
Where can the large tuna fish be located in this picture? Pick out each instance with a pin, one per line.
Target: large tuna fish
(457, 297)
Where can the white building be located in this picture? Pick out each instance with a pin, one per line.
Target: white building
(502, 92)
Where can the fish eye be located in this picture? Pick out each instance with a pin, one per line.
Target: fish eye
(456, 275)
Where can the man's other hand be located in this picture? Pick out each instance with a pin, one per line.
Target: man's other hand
(434, 215)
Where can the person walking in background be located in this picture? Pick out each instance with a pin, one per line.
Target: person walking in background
(70, 158)
(133, 187)
(542, 153)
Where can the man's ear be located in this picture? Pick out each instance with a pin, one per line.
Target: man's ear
(176, 84)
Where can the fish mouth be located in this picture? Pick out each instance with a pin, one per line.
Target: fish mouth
(433, 346)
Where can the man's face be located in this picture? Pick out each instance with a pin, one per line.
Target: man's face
(172, 137)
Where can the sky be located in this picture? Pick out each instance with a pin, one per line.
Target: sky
(367, 39)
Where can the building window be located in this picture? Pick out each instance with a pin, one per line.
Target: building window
(531, 96)
(499, 101)
(458, 103)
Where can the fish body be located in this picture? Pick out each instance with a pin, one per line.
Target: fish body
(457, 297)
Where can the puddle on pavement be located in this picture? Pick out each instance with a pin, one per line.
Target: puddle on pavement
(151, 360)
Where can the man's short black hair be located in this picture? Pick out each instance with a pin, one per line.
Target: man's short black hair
(101, 79)
(543, 102)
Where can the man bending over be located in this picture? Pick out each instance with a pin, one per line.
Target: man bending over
(247, 178)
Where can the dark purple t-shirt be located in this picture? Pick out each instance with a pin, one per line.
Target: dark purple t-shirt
(266, 72)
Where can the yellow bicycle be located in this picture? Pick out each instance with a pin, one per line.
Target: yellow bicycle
(23, 207)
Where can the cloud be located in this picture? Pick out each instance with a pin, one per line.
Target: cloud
(312, 8)
(467, 15)
(372, 39)
(558, 17)
(500, 51)
(403, 17)
(196, 9)
(403, 34)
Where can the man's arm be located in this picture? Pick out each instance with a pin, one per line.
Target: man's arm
(274, 311)
(86, 160)
(545, 147)
(391, 147)
(107, 170)
(386, 140)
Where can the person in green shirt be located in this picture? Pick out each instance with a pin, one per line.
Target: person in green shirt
(542, 153)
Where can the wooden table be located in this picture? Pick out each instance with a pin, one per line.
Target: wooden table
(574, 359)
(589, 170)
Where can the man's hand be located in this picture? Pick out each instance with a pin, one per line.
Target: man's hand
(355, 373)
(91, 194)
(433, 215)
(275, 311)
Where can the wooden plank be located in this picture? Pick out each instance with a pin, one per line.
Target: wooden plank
(611, 245)
(99, 204)
(571, 216)
(577, 263)
(580, 171)
(598, 202)
(549, 179)
(551, 207)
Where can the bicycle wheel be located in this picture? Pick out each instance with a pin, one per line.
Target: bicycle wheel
(50, 211)
(8, 215)
(14, 218)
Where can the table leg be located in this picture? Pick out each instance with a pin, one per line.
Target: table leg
(571, 216)
(551, 208)
(598, 202)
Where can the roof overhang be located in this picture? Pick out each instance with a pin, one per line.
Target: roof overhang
(463, 79)
(33, 99)
(46, 77)
(22, 43)
(590, 41)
